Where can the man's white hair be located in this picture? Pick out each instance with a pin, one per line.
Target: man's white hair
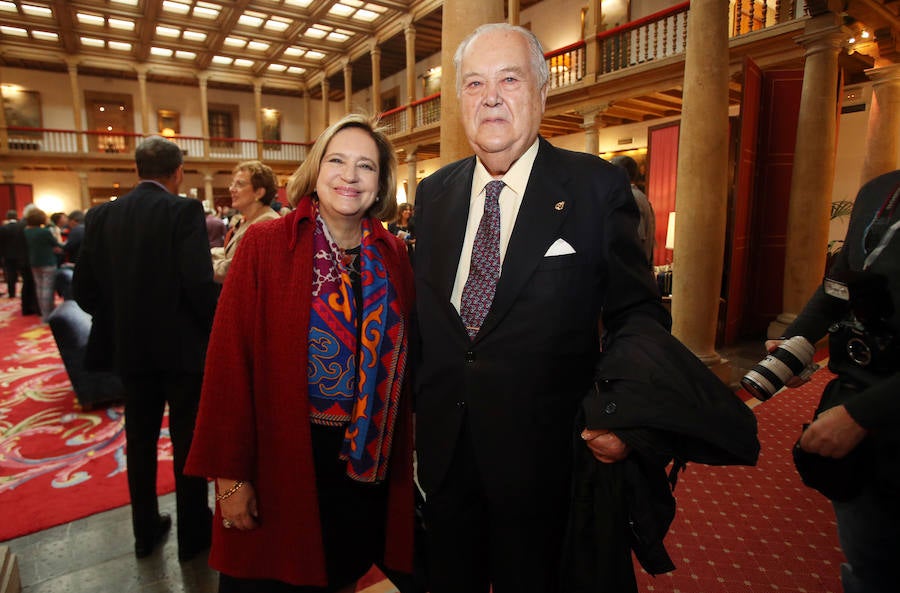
(535, 50)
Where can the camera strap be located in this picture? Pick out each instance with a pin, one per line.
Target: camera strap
(879, 226)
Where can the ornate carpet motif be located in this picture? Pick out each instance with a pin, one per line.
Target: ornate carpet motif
(58, 462)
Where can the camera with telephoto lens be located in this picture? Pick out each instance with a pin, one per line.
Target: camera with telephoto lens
(793, 357)
(864, 338)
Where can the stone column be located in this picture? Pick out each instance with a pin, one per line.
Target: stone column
(208, 194)
(375, 52)
(591, 47)
(461, 17)
(812, 179)
(592, 124)
(325, 89)
(348, 85)
(307, 114)
(77, 102)
(141, 70)
(702, 199)
(411, 163)
(410, 32)
(4, 136)
(883, 134)
(513, 10)
(84, 190)
(257, 104)
(202, 79)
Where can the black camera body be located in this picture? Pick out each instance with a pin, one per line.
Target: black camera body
(864, 337)
(875, 349)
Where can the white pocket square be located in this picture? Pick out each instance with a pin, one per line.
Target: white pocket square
(559, 247)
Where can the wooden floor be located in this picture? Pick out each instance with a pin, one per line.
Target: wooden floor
(96, 554)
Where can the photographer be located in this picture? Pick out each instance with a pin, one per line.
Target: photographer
(855, 429)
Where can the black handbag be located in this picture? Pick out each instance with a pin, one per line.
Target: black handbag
(842, 479)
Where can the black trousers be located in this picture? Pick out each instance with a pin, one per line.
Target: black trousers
(146, 395)
(11, 272)
(29, 291)
(353, 516)
(474, 542)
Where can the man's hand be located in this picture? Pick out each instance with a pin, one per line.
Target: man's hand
(604, 445)
(833, 434)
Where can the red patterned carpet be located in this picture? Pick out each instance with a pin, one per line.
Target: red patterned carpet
(58, 463)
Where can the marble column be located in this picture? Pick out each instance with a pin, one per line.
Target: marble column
(883, 134)
(257, 104)
(513, 11)
(4, 136)
(410, 32)
(84, 190)
(375, 52)
(701, 190)
(348, 85)
(77, 102)
(307, 114)
(461, 17)
(202, 80)
(325, 89)
(812, 178)
(208, 193)
(591, 126)
(411, 163)
(142, 70)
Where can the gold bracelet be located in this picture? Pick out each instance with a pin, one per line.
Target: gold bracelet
(237, 486)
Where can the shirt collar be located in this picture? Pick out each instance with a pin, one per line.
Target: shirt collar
(515, 179)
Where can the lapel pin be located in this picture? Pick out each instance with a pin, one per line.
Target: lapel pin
(560, 205)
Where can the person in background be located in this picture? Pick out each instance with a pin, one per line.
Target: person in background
(215, 228)
(19, 252)
(520, 249)
(402, 225)
(145, 276)
(43, 251)
(305, 420)
(75, 237)
(7, 254)
(647, 226)
(253, 187)
(858, 307)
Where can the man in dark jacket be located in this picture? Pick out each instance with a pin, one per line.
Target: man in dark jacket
(10, 265)
(859, 306)
(145, 275)
(17, 253)
(76, 236)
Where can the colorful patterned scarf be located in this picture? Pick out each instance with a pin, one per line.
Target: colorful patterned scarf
(356, 358)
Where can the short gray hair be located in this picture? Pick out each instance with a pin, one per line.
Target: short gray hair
(536, 51)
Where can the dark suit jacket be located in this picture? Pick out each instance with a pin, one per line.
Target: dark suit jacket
(521, 380)
(145, 276)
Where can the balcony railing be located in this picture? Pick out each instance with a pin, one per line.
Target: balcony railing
(70, 142)
(567, 65)
(653, 37)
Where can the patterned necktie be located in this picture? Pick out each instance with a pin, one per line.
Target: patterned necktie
(484, 271)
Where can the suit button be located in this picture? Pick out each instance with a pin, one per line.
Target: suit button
(610, 408)
(460, 404)
(470, 356)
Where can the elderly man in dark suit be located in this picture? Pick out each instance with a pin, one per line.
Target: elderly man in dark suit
(146, 277)
(508, 310)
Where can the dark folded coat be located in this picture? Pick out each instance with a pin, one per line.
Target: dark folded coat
(659, 398)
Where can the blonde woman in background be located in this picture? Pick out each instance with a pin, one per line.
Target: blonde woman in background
(253, 187)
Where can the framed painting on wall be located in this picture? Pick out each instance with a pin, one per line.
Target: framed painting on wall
(22, 109)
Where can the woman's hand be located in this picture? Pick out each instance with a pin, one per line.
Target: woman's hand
(239, 510)
(605, 445)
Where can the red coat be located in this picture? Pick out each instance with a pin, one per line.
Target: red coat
(253, 422)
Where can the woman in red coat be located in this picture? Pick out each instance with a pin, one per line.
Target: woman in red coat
(305, 420)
